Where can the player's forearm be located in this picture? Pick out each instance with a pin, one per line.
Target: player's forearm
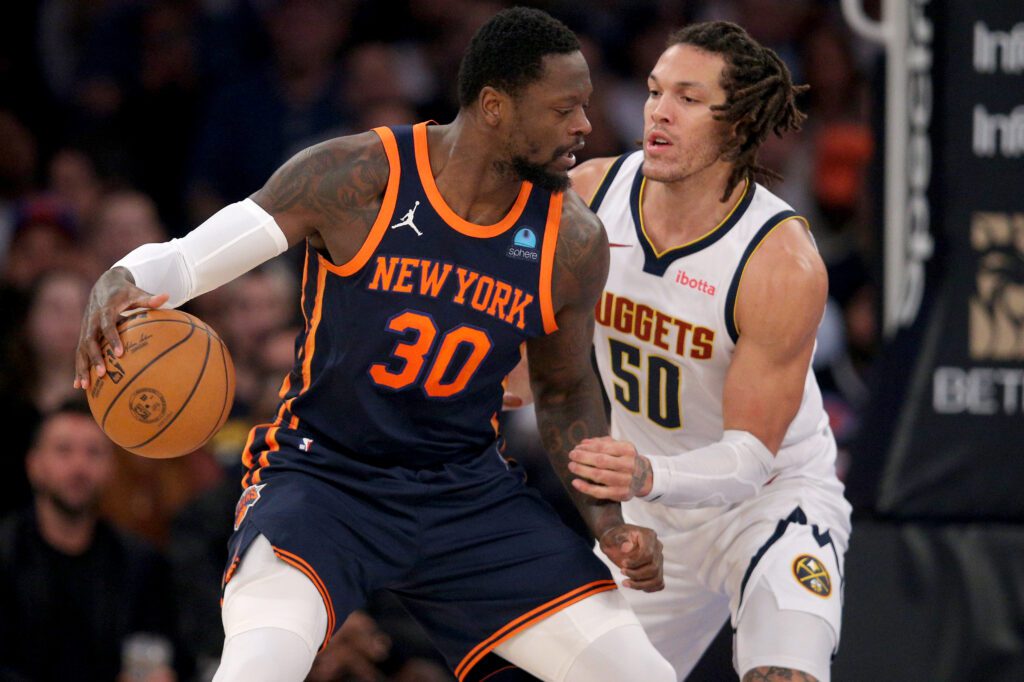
(729, 471)
(564, 419)
(230, 243)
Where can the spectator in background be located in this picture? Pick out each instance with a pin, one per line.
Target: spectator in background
(125, 219)
(295, 100)
(51, 334)
(74, 179)
(35, 357)
(45, 238)
(73, 589)
(35, 352)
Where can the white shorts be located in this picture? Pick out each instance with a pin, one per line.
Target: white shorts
(789, 540)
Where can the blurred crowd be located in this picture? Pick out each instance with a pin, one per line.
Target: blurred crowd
(130, 121)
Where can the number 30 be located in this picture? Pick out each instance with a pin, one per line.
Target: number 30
(413, 355)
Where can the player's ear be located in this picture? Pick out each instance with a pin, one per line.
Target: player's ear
(494, 105)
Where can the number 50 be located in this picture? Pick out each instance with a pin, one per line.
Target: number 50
(662, 395)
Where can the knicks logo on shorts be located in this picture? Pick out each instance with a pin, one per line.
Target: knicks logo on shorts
(249, 497)
(812, 574)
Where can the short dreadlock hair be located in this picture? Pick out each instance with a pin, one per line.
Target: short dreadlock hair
(759, 95)
(507, 52)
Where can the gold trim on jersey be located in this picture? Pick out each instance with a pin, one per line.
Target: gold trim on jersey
(707, 235)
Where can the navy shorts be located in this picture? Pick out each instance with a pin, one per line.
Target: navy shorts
(472, 553)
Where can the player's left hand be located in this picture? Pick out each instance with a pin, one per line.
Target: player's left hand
(637, 552)
(610, 469)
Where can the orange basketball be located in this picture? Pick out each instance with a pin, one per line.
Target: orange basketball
(170, 391)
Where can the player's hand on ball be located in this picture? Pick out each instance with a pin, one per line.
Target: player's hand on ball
(112, 294)
(610, 469)
(637, 552)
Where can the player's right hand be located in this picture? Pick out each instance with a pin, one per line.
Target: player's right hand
(637, 552)
(112, 294)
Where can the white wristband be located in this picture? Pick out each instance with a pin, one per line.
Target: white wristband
(231, 242)
(723, 473)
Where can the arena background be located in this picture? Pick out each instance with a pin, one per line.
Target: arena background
(125, 121)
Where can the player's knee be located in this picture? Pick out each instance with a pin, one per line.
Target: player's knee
(268, 593)
(780, 641)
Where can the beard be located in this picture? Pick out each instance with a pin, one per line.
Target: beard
(691, 161)
(539, 175)
(71, 509)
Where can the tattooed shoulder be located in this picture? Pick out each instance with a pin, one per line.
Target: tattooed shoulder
(581, 259)
(337, 182)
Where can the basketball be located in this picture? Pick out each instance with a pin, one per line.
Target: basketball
(171, 389)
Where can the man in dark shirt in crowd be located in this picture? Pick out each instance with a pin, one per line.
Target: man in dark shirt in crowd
(73, 589)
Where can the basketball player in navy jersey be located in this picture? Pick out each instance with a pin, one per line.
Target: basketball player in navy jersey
(705, 333)
(432, 253)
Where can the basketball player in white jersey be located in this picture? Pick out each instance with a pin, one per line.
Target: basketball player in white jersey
(704, 340)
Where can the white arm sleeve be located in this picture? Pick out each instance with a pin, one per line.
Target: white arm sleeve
(729, 471)
(231, 242)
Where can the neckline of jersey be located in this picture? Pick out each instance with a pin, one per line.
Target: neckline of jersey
(655, 262)
(657, 258)
(441, 207)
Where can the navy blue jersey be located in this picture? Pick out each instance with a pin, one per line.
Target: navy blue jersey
(405, 347)
(382, 469)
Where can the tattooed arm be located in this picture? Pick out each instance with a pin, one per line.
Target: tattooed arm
(568, 399)
(330, 193)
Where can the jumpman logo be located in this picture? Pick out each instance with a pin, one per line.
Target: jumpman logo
(407, 220)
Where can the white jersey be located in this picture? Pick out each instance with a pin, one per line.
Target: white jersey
(666, 332)
(664, 339)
